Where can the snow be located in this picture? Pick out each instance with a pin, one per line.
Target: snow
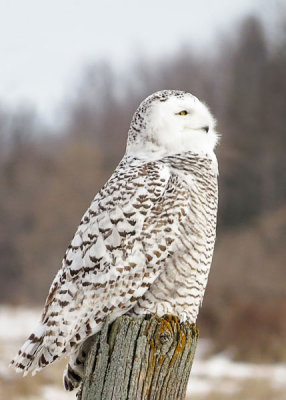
(221, 373)
(17, 322)
(51, 392)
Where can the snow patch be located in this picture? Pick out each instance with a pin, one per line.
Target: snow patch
(17, 323)
(220, 373)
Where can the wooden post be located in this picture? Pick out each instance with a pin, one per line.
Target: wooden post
(146, 358)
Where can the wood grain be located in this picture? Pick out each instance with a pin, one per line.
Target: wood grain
(146, 358)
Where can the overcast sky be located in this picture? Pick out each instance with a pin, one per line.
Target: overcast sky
(45, 43)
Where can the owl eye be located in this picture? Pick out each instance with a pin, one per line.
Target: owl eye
(184, 112)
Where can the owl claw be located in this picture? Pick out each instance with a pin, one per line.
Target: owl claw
(183, 317)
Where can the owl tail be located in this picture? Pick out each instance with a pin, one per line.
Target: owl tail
(74, 371)
(33, 355)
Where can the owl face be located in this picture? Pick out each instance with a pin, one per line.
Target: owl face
(173, 122)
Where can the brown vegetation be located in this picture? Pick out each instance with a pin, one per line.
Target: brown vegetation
(48, 178)
(246, 298)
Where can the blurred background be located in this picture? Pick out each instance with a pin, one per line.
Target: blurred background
(72, 73)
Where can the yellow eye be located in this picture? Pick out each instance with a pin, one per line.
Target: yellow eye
(184, 112)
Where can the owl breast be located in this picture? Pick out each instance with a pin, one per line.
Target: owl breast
(180, 287)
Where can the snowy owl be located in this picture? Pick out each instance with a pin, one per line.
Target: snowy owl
(146, 242)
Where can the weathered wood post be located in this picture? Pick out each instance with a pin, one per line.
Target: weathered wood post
(144, 358)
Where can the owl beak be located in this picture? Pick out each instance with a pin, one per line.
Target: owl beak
(206, 128)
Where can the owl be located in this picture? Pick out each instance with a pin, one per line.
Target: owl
(145, 244)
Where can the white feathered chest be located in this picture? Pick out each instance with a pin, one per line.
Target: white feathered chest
(191, 205)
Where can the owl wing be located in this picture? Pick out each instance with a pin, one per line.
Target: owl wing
(116, 254)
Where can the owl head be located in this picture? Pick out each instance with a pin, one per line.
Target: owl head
(172, 122)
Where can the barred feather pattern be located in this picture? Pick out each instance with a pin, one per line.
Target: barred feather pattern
(180, 287)
(144, 245)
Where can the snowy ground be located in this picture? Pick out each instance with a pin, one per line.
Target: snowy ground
(220, 374)
(216, 377)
